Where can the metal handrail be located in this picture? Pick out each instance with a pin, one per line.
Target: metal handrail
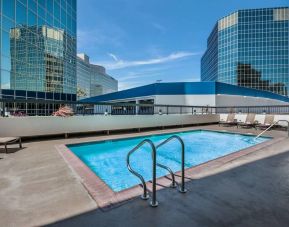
(272, 126)
(174, 183)
(145, 196)
(182, 188)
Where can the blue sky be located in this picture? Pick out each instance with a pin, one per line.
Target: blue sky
(142, 41)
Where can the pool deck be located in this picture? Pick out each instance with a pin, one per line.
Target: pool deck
(37, 187)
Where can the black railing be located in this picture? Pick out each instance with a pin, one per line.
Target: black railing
(32, 107)
(280, 109)
(38, 107)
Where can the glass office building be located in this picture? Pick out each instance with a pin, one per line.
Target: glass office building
(101, 82)
(38, 49)
(250, 48)
(92, 80)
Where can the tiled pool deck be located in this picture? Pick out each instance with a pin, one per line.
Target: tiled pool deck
(246, 188)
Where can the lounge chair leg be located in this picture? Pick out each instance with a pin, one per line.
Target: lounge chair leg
(5, 145)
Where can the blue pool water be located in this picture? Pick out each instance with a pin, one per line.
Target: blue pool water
(107, 159)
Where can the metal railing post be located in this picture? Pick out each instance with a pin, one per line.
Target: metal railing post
(154, 202)
(287, 125)
(3, 108)
(182, 189)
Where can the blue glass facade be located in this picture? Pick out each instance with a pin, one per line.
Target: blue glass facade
(209, 66)
(38, 49)
(252, 50)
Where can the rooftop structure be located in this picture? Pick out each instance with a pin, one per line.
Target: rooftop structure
(195, 94)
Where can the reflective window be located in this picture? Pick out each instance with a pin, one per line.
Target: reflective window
(38, 47)
(5, 79)
(21, 13)
(9, 8)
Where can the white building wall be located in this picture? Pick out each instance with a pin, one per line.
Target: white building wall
(236, 100)
(187, 100)
(215, 100)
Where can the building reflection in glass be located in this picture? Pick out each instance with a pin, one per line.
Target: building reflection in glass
(249, 77)
(38, 49)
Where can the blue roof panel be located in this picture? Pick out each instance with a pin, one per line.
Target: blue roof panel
(185, 88)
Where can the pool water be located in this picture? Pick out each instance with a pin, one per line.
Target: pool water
(107, 159)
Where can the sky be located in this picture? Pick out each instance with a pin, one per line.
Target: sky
(144, 41)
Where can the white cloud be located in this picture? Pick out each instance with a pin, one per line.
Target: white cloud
(141, 75)
(130, 82)
(113, 56)
(127, 85)
(120, 64)
(190, 78)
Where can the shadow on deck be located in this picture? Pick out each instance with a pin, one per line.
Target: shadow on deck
(254, 194)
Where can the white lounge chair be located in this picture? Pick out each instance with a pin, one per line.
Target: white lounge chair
(269, 120)
(231, 121)
(9, 140)
(249, 122)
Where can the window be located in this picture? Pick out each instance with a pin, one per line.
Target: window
(9, 8)
(281, 14)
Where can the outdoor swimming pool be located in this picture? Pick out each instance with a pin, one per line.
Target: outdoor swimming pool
(107, 159)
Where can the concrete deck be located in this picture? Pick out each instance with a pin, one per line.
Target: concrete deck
(37, 187)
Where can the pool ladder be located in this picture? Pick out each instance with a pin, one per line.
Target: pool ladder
(275, 123)
(145, 196)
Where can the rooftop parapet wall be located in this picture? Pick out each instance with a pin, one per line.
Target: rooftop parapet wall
(41, 126)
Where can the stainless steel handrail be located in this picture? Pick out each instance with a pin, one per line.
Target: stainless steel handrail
(174, 183)
(154, 202)
(272, 126)
(182, 188)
